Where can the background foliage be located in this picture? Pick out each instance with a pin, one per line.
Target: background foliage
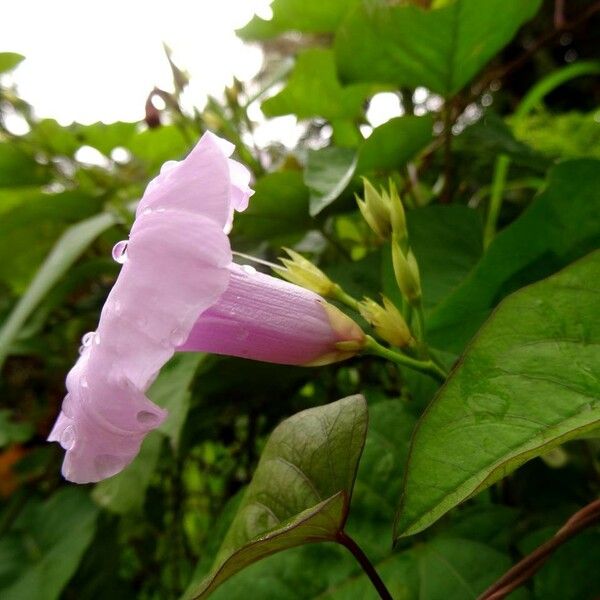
(500, 132)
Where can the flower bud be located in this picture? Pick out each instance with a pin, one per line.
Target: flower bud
(301, 271)
(387, 321)
(375, 209)
(406, 271)
(398, 218)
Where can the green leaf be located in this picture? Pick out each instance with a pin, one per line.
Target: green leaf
(279, 208)
(17, 168)
(45, 546)
(66, 251)
(9, 60)
(172, 391)
(566, 135)
(12, 432)
(441, 49)
(391, 145)
(328, 172)
(527, 383)
(153, 147)
(314, 90)
(32, 224)
(307, 16)
(301, 489)
(561, 225)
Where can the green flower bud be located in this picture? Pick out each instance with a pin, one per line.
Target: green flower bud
(301, 271)
(406, 270)
(375, 209)
(387, 321)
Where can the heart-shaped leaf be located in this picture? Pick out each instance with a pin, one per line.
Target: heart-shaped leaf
(560, 226)
(528, 382)
(441, 49)
(301, 490)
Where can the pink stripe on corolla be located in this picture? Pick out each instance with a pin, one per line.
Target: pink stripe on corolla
(267, 319)
(178, 289)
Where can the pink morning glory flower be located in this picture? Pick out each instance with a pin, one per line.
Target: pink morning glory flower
(178, 289)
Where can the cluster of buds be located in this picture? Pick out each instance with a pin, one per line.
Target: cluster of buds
(384, 213)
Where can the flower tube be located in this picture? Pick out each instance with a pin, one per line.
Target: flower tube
(271, 320)
(176, 267)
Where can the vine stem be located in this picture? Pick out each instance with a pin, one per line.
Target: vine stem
(523, 570)
(428, 367)
(366, 565)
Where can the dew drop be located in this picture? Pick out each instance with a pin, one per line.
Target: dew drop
(67, 439)
(146, 417)
(178, 336)
(84, 382)
(67, 406)
(88, 338)
(81, 350)
(119, 252)
(147, 211)
(248, 269)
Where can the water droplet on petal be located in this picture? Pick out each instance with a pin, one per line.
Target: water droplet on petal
(178, 336)
(81, 350)
(168, 165)
(67, 439)
(147, 211)
(88, 338)
(248, 269)
(84, 382)
(119, 252)
(146, 417)
(67, 406)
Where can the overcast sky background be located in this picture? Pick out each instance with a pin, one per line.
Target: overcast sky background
(97, 61)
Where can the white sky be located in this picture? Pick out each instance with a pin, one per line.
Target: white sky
(98, 60)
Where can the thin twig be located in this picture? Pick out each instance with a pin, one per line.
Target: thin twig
(526, 568)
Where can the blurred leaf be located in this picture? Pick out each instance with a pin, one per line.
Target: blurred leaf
(561, 225)
(441, 49)
(328, 172)
(172, 391)
(314, 90)
(528, 382)
(57, 139)
(491, 136)
(32, 225)
(300, 490)
(49, 540)
(391, 145)
(17, 168)
(12, 432)
(308, 16)
(567, 135)
(9, 60)
(153, 147)
(278, 209)
(66, 251)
